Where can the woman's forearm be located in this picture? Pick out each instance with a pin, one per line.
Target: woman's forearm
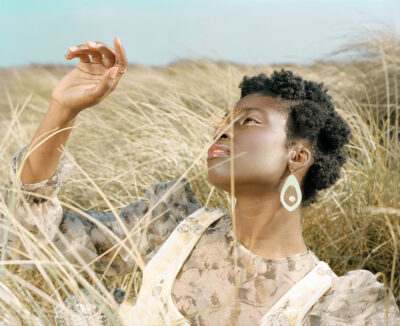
(83, 87)
(42, 162)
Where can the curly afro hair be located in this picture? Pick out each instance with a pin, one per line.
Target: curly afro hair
(313, 117)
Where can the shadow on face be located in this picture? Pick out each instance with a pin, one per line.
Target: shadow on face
(253, 137)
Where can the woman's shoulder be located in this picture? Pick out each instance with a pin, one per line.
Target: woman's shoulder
(355, 281)
(153, 219)
(175, 200)
(168, 204)
(355, 298)
(176, 196)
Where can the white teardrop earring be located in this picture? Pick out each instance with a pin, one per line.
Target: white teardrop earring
(291, 181)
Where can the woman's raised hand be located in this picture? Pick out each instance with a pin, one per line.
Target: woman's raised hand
(96, 75)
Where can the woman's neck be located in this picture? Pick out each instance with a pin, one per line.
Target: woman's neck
(266, 228)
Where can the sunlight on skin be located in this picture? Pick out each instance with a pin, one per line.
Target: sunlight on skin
(230, 116)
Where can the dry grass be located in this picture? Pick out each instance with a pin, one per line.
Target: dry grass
(157, 125)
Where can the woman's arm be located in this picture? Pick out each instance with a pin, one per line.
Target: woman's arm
(86, 85)
(32, 195)
(41, 164)
(355, 298)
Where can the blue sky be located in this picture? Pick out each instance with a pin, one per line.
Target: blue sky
(157, 32)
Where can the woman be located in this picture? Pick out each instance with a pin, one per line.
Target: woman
(287, 142)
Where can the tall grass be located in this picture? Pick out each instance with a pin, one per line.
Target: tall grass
(157, 125)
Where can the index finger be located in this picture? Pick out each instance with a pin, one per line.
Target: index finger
(108, 52)
(122, 60)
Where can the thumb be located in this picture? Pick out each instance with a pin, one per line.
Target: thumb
(106, 84)
(112, 72)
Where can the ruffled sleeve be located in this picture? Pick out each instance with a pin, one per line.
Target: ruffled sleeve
(171, 202)
(95, 236)
(35, 206)
(148, 226)
(356, 298)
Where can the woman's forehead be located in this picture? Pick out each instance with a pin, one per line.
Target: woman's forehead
(262, 106)
(258, 101)
(264, 103)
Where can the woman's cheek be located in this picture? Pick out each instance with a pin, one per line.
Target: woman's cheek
(264, 157)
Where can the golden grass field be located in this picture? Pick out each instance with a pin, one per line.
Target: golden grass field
(157, 125)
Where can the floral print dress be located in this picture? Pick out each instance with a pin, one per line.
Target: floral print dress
(220, 283)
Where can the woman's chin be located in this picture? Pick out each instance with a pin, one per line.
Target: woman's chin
(220, 181)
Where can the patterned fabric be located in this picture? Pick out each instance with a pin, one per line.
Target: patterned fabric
(210, 271)
(292, 307)
(209, 281)
(94, 232)
(85, 313)
(356, 298)
(154, 304)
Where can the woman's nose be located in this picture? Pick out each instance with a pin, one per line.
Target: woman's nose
(223, 133)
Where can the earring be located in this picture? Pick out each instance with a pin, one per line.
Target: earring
(291, 181)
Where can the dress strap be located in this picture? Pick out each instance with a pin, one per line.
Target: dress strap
(154, 305)
(292, 307)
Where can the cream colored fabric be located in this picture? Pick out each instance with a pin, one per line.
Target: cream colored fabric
(216, 296)
(44, 215)
(292, 307)
(205, 288)
(154, 305)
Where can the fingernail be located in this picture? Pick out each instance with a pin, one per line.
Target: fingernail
(72, 48)
(91, 43)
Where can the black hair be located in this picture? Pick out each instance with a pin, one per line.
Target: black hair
(313, 117)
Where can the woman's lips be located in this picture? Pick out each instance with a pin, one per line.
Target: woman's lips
(218, 150)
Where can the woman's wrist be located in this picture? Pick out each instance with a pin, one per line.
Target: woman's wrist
(62, 115)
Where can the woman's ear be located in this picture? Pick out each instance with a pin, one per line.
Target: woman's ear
(301, 156)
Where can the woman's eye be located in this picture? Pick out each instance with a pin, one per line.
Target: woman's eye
(250, 120)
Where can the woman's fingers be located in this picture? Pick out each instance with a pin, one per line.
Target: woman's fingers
(109, 55)
(101, 52)
(122, 60)
(97, 50)
(84, 58)
(97, 57)
(104, 87)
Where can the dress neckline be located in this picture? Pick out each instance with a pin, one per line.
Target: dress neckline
(294, 257)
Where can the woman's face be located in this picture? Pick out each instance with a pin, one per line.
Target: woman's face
(259, 137)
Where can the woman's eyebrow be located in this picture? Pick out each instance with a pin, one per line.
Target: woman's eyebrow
(239, 110)
(243, 109)
(252, 109)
